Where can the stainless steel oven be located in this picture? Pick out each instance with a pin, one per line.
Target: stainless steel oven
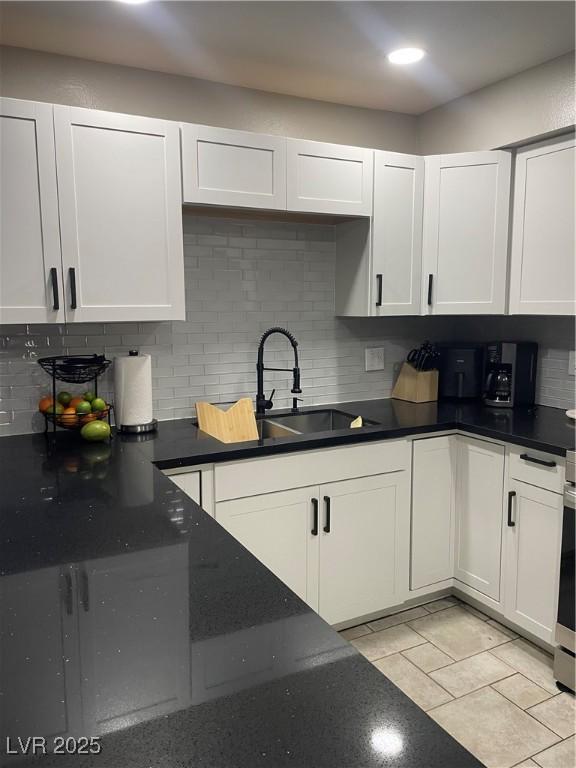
(564, 660)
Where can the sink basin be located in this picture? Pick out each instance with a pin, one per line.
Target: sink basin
(269, 428)
(315, 421)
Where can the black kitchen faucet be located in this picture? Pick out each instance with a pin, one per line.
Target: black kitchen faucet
(262, 402)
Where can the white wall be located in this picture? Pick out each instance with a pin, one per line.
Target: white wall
(512, 111)
(38, 76)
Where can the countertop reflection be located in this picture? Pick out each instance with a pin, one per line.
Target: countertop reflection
(128, 613)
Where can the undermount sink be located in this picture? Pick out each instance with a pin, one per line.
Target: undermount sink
(268, 428)
(326, 420)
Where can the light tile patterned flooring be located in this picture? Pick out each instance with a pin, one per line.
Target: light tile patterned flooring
(492, 690)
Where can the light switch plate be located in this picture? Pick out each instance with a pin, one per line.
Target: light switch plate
(374, 358)
(572, 363)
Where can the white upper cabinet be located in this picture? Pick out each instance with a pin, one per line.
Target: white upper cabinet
(329, 178)
(120, 204)
(233, 168)
(542, 278)
(30, 259)
(465, 240)
(397, 234)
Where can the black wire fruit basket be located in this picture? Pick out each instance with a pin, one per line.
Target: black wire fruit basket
(74, 369)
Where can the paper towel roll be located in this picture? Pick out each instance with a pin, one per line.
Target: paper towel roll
(133, 390)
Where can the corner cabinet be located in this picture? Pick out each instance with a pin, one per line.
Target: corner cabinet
(479, 503)
(329, 178)
(542, 280)
(120, 216)
(379, 261)
(30, 258)
(465, 237)
(233, 168)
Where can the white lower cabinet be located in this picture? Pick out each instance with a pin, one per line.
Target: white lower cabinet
(479, 501)
(532, 557)
(276, 528)
(433, 511)
(197, 483)
(364, 540)
(342, 547)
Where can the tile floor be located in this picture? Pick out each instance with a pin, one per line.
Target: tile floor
(489, 688)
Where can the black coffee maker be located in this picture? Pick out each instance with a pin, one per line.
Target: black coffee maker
(510, 377)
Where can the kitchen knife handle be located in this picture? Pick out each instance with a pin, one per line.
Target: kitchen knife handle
(314, 530)
(54, 281)
(72, 276)
(327, 503)
(430, 280)
(379, 284)
(534, 460)
(511, 495)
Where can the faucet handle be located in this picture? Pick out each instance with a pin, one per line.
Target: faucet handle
(295, 401)
(269, 402)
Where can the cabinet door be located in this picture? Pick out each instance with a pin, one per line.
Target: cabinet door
(479, 499)
(397, 233)
(465, 240)
(433, 488)
(364, 546)
(277, 528)
(233, 168)
(38, 657)
(198, 484)
(134, 637)
(30, 259)
(533, 541)
(329, 178)
(121, 218)
(542, 268)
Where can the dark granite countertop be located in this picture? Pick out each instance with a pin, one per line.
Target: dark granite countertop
(126, 610)
(180, 443)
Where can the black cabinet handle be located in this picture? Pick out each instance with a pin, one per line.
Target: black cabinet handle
(68, 593)
(314, 530)
(379, 284)
(85, 590)
(327, 503)
(430, 280)
(72, 275)
(54, 281)
(511, 495)
(534, 460)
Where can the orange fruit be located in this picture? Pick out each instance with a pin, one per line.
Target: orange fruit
(74, 402)
(69, 417)
(45, 403)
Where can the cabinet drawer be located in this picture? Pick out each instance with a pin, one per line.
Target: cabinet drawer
(297, 470)
(537, 468)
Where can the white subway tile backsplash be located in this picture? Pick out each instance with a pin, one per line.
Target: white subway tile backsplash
(241, 278)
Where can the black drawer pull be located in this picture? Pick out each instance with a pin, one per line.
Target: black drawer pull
(314, 530)
(430, 281)
(85, 590)
(534, 460)
(72, 275)
(511, 495)
(327, 502)
(379, 283)
(54, 280)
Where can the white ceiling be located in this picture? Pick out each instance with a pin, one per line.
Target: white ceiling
(333, 51)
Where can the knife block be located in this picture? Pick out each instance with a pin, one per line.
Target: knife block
(416, 386)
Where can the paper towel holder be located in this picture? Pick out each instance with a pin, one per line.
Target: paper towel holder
(137, 429)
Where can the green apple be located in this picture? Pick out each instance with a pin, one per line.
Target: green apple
(89, 396)
(83, 407)
(64, 398)
(98, 404)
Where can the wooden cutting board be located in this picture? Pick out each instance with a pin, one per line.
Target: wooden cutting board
(236, 425)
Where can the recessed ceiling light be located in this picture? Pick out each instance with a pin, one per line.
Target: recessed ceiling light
(406, 55)
(133, 2)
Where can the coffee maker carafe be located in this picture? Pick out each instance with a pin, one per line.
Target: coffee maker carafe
(499, 385)
(510, 374)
